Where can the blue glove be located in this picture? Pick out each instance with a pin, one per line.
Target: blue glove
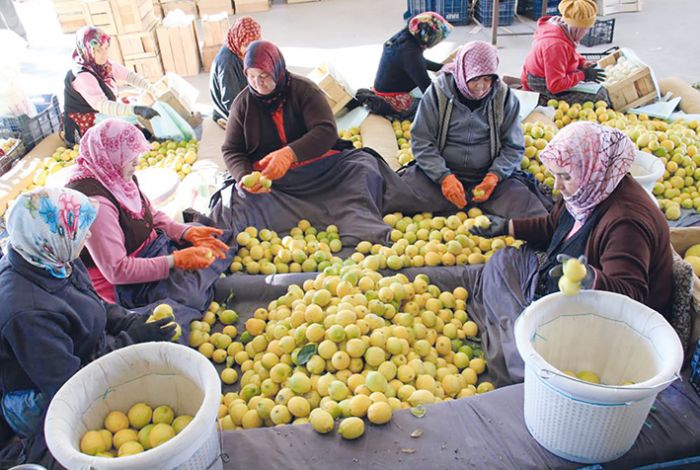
(558, 271)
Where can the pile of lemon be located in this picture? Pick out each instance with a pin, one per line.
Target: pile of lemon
(177, 156)
(402, 131)
(353, 135)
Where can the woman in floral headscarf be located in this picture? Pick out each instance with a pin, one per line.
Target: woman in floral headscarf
(403, 68)
(90, 87)
(52, 321)
(467, 140)
(132, 248)
(604, 214)
(226, 78)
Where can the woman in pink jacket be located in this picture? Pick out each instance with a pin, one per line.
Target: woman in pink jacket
(136, 254)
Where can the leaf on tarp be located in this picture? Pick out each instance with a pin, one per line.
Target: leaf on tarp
(229, 361)
(229, 299)
(418, 411)
(408, 450)
(306, 353)
(417, 433)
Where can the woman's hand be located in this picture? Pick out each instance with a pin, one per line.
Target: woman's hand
(193, 258)
(276, 164)
(206, 237)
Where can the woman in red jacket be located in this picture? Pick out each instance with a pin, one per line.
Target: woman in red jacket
(553, 66)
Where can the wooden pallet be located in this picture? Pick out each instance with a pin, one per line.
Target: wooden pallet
(636, 90)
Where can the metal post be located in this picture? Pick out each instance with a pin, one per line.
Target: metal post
(494, 23)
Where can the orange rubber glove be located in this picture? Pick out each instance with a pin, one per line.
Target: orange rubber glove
(453, 191)
(276, 164)
(193, 258)
(206, 237)
(487, 185)
(256, 189)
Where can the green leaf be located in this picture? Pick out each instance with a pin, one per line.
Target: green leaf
(229, 299)
(306, 353)
(418, 411)
(229, 361)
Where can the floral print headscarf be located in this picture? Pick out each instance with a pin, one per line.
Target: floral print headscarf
(87, 39)
(48, 226)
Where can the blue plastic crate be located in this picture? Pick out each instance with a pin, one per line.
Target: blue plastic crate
(533, 8)
(7, 160)
(32, 130)
(483, 12)
(457, 12)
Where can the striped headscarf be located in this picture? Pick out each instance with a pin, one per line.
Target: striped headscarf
(87, 39)
(596, 158)
(244, 31)
(474, 59)
(267, 57)
(429, 28)
(105, 150)
(48, 226)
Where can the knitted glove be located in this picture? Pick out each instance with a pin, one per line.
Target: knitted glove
(453, 191)
(498, 227)
(205, 237)
(193, 258)
(276, 164)
(593, 74)
(159, 330)
(145, 112)
(484, 189)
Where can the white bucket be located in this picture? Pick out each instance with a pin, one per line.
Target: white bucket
(646, 170)
(612, 335)
(156, 373)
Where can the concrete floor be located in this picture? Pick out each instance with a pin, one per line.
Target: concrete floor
(348, 34)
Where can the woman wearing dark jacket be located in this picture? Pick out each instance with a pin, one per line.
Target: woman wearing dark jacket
(282, 126)
(403, 68)
(52, 322)
(226, 78)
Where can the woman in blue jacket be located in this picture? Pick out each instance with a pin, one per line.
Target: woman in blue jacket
(403, 68)
(52, 321)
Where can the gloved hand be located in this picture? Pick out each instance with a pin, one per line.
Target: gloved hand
(142, 332)
(593, 74)
(145, 112)
(257, 188)
(193, 258)
(558, 270)
(206, 237)
(453, 190)
(498, 227)
(483, 190)
(276, 164)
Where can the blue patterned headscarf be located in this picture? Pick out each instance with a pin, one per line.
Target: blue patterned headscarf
(48, 226)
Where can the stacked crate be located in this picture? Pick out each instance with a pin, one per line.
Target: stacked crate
(70, 15)
(189, 7)
(610, 7)
(214, 7)
(132, 25)
(214, 31)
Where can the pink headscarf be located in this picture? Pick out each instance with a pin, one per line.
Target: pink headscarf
(105, 150)
(596, 157)
(474, 59)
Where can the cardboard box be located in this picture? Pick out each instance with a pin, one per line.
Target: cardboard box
(214, 7)
(609, 7)
(336, 94)
(189, 7)
(151, 67)
(636, 90)
(179, 95)
(179, 49)
(251, 6)
(214, 32)
(139, 45)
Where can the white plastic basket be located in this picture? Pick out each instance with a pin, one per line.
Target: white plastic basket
(612, 335)
(156, 373)
(646, 170)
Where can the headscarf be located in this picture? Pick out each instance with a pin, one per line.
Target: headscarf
(245, 30)
(87, 39)
(47, 227)
(267, 57)
(596, 157)
(575, 34)
(105, 150)
(474, 59)
(429, 28)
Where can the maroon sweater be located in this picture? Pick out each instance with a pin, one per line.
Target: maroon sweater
(251, 134)
(629, 247)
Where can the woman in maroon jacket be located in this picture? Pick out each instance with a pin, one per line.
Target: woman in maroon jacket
(604, 214)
